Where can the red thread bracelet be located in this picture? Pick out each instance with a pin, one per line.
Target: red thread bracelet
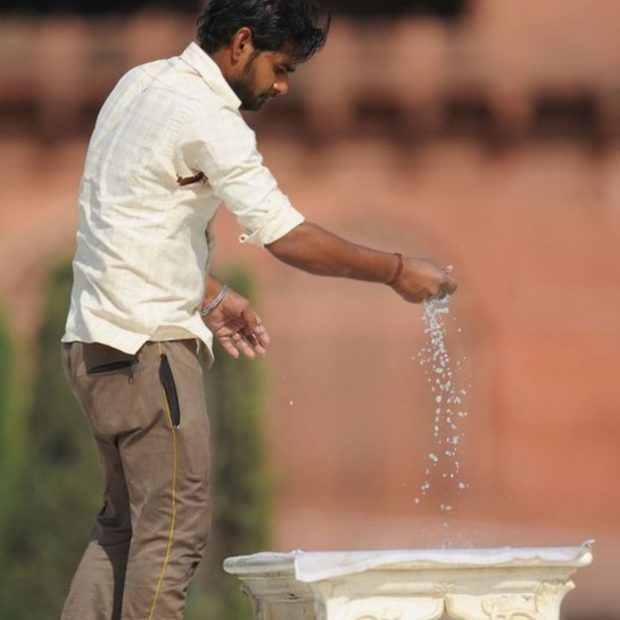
(399, 270)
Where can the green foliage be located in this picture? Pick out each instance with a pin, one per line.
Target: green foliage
(7, 415)
(240, 486)
(6, 363)
(6, 398)
(53, 506)
(50, 508)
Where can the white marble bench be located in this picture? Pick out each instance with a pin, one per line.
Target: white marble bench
(461, 584)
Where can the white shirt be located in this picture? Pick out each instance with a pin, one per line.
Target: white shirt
(141, 261)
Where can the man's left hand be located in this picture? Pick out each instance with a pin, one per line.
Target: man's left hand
(237, 327)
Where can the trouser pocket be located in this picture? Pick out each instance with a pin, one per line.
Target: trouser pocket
(167, 380)
(99, 358)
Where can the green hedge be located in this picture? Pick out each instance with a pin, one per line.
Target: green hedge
(47, 511)
(8, 441)
(52, 508)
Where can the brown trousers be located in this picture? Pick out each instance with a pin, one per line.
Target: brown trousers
(148, 417)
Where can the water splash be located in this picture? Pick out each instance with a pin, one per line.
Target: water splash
(449, 412)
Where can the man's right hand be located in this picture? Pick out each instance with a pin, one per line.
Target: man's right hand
(422, 279)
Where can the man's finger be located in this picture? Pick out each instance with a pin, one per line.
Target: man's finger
(450, 286)
(242, 346)
(263, 335)
(250, 318)
(228, 346)
(260, 350)
(250, 337)
(255, 332)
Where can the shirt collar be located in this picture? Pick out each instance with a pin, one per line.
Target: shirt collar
(210, 72)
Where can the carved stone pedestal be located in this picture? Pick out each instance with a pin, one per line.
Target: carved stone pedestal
(458, 584)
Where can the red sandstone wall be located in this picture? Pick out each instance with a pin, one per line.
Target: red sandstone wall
(533, 230)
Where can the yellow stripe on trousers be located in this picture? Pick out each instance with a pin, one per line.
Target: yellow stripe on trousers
(173, 496)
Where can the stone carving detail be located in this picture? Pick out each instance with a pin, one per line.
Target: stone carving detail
(385, 615)
(511, 607)
(443, 587)
(369, 610)
(554, 588)
(420, 609)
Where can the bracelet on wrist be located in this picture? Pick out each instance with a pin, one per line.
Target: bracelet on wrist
(205, 311)
(399, 270)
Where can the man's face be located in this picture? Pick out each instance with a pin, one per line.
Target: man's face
(264, 76)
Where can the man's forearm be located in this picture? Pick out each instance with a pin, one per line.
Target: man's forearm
(316, 250)
(212, 288)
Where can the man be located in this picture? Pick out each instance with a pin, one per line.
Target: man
(169, 146)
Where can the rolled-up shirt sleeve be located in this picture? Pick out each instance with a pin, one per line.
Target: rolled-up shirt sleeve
(216, 141)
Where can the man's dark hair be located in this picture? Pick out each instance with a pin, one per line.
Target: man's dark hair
(302, 24)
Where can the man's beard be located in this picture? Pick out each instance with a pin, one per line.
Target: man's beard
(243, 89)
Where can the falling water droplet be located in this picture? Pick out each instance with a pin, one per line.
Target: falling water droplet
(448, 397)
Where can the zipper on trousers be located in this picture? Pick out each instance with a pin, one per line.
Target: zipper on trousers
(167, 380)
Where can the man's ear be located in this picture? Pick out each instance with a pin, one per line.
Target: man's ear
(242, 44)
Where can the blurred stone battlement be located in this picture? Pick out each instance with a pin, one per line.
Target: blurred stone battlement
(502, 71)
